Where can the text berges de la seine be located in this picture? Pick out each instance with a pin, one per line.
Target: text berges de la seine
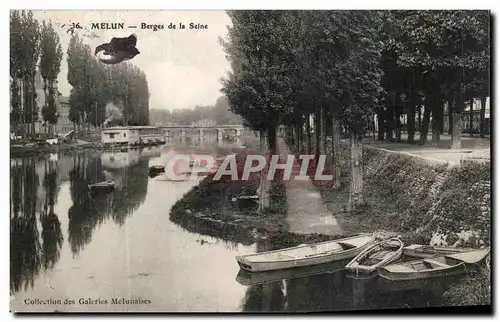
(146, 26)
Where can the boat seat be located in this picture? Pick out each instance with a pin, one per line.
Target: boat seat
(381, 255)
(435, 263)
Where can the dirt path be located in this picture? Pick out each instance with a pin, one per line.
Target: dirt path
(475, 148)
(306, 211)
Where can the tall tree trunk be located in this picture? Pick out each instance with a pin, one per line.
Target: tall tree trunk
(419, 118)
(263, 140)
(398, 126)
(290, 135)
(302, 137)
(381, 127)
(308, 133)
(482, 117)
(389, 124)
(442, 116)
(271, 137)
(450, 116)
(21, 107)
(424, 129)
(373, 127)
(411, 122)
(471, 118)
(336, 152)
(456, 133)
(436, 109)
(323, 131)
(34, 113)
(317, 133)
(298, 143)
(356, 187)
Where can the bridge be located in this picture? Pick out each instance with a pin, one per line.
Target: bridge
(238, 129)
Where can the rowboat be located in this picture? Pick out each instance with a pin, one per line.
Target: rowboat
(101, 188)
(380, 254)
(433, 267)
(306, 254)
(424, 251)
(102, 185)
(258, 278)
(156, 168)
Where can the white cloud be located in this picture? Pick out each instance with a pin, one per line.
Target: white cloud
(183, 67)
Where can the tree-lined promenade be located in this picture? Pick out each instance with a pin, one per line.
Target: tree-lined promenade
(343, 68)
(35, 46)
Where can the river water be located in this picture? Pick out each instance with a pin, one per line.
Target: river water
(73, 253)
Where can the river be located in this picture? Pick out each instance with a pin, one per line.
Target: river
(71, 253)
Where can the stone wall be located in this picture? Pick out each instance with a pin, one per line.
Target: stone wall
(450, 205)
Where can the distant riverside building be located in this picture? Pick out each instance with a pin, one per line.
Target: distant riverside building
(204, 122)
(64, 125)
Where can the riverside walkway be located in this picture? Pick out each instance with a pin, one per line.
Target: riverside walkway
(306, 211)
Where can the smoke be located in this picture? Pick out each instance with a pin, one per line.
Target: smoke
(113, 113)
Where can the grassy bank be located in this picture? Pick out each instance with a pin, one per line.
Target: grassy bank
(426, 202)
(208, 209)
(423, 200)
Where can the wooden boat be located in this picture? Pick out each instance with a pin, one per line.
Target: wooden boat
(156, 169)
(424, 251)
(433, 267)
(249, 279)
(306, 254)
(380, 254)
(102, 185)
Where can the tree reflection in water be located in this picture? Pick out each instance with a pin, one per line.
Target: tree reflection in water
(132, 193)
(52, 238)
(86, 214)
(25, 249)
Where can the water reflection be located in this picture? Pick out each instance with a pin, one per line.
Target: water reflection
(88, 212)
(327, 288)
(25, 248)
(36, 234)
(52, 238)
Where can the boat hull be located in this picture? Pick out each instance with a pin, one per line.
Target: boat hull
(408, 276)
(258, 278)
(429, 252)
(355, 266)
(277, 265)
(263, 266)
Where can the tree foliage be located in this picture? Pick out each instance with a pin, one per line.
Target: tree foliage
(50, 66)
(95, 85)
(24, 56)
(219, 113)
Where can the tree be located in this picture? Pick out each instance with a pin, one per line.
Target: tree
(24, 55)
(50, 65)
(16, 62)
(450, 49)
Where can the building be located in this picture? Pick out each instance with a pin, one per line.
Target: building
(204, 122)
(476, 117)
(64, 125)
(132, 135)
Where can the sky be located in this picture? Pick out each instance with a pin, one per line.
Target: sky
(183, 67)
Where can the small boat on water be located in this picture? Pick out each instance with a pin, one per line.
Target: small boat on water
(445, 265)
(102, 185)
(101, 188)
(156, 169)
(306, 254)
(380, 254)
(249, 279)
(424, 251)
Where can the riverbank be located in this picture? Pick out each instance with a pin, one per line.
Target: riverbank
(209, 208)
(426, 201)
(27, 150)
